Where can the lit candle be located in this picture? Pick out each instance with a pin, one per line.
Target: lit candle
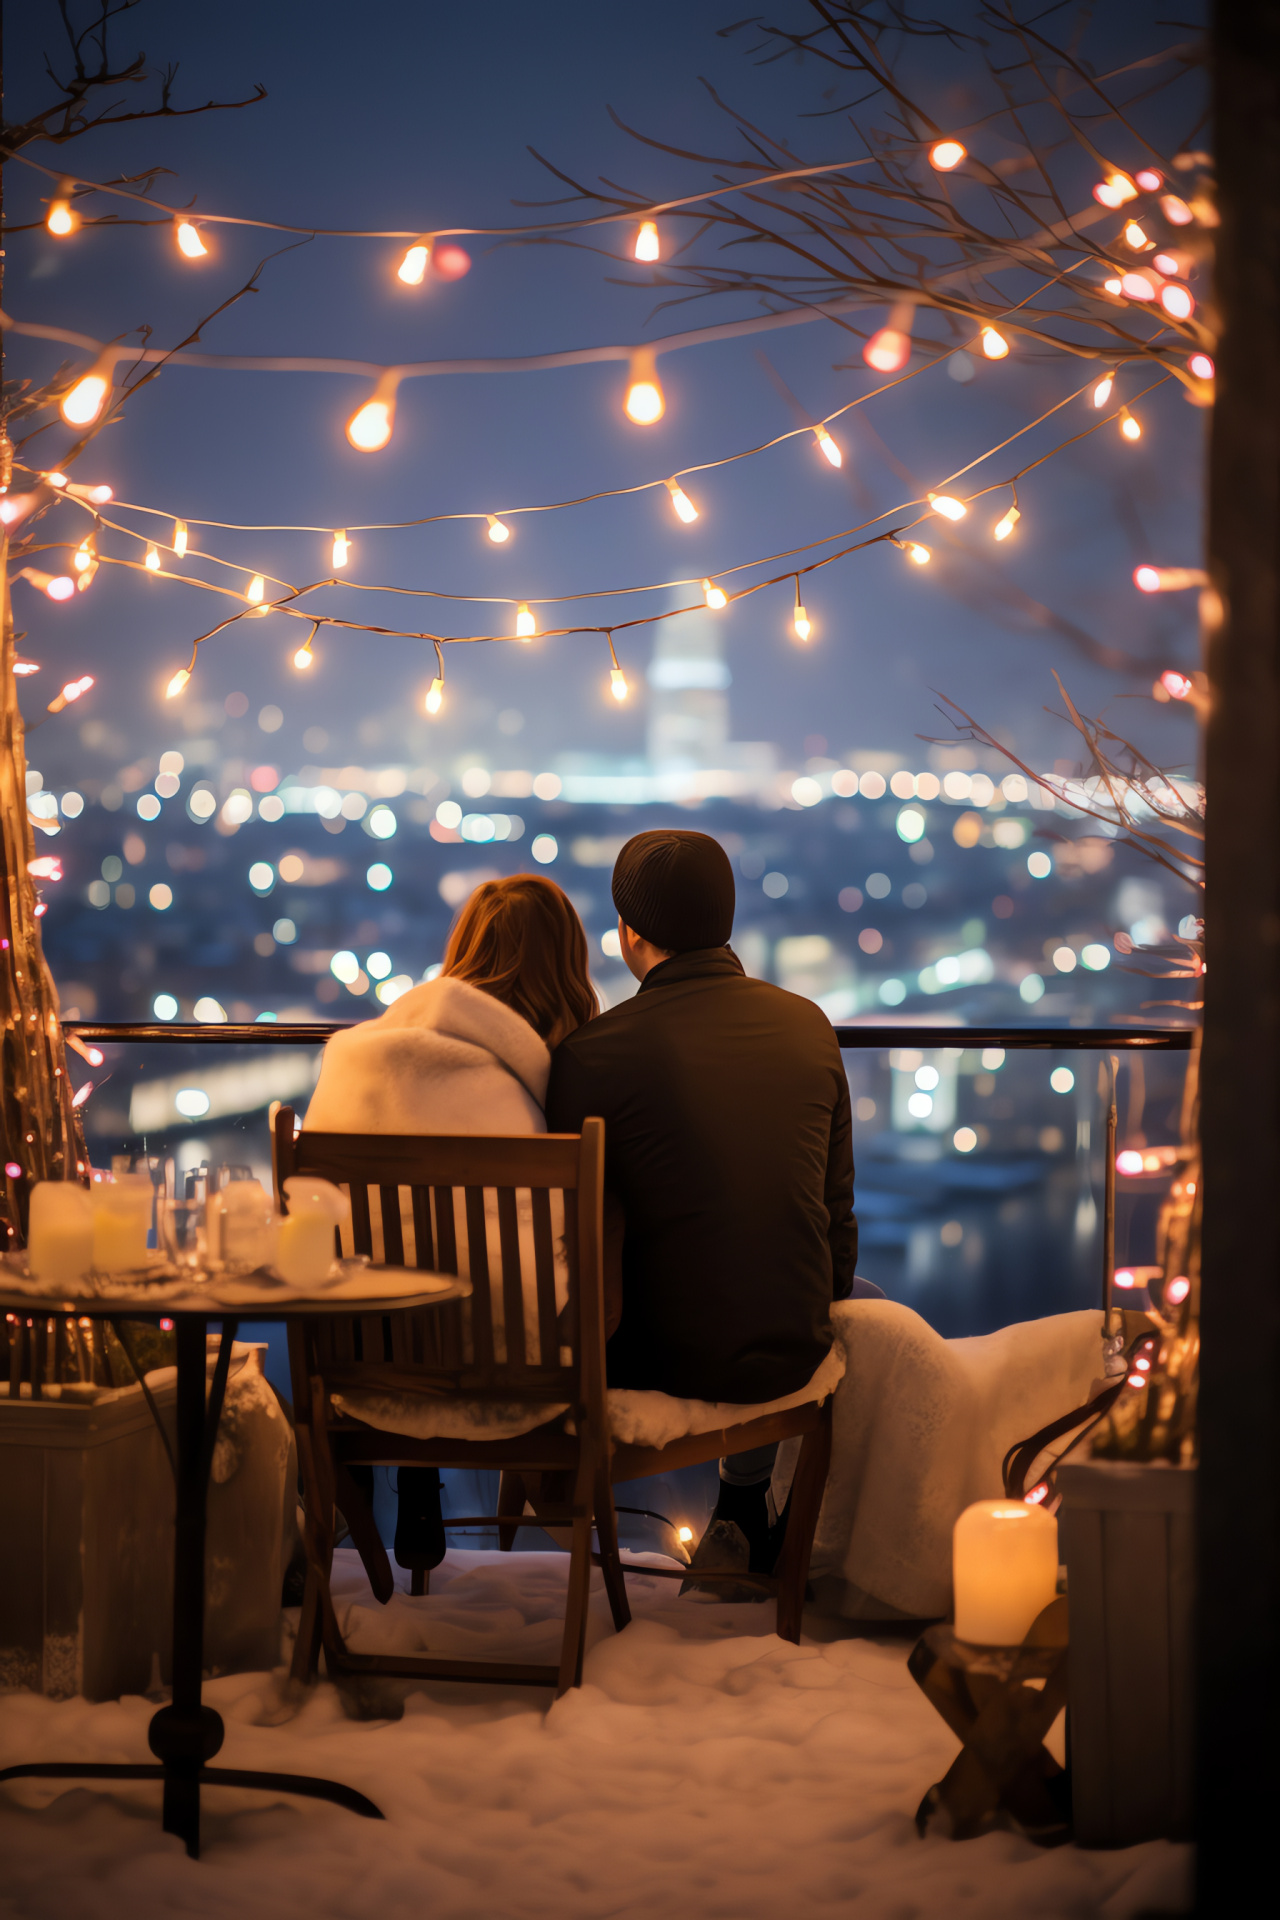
(305, 1252)
(60, 1232)
(1005, 1569)
(121, 1217)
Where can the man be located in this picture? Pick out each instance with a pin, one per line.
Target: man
(727, 1151)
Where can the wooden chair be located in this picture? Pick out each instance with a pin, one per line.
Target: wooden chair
(452, 1350)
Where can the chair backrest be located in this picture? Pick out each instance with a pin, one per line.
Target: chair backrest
(508, 1339)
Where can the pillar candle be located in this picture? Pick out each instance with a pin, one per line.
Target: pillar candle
(121, 1218)
(60, 1232)
(305, 1253)
(1005, 1570)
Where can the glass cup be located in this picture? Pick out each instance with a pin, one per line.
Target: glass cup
(182, 1232)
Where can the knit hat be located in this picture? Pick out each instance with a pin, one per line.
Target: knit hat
(675, 889)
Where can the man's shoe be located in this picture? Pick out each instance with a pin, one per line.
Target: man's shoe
(723, 1548)
(747, 1508)
(420, 1541)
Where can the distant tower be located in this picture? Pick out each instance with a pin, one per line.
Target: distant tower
(688, 696)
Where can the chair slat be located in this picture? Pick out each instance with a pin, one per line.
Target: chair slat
(571, 1255)
(392, 1236)
(423, 1251)
(361, 1226)
(544, 1260)
(446, 1236)
(478, 1268)
(512, 1287)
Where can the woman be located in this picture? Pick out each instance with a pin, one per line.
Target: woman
(467, 1052)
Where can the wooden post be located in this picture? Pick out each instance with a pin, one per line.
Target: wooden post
(1238, 1693)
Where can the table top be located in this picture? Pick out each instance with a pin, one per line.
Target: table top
(359, 1289)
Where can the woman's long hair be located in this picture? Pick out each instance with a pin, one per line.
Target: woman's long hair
(520, 940)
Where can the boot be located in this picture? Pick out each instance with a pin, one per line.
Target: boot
(420, 1541)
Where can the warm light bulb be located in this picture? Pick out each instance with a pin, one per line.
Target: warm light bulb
(1177, 1290)
(949, 508)
(800, 621)
(946, 154)
(61, 218)
(177, 683)
(1175, 211)
(645, 402)
(1201, 365)
(152, 561)
(680, 500)
(1115, 190)
(921, 555)
(255, 592)
(58, 586)
(341, 549)
(413, 267)
(1102, 392)
(1138, 286)
(1004, 527)
(83, 556)
(1146, 579)
(189, 241)
(435, 696)
(497, 531)
(888, 351)
(180, 537)
(1168, 263)
(1112, 286)
(1136, 238)
(647, 241)
(828, 448)
(618, 683)
(81, 407)
(369, 428)
(1177, 301)
(97, 496)
(1129, 427)
(304, 657)
(715, 596)
(1149, 180)
(86, 578)
(526, 626)
(994, 344)
(55, 479)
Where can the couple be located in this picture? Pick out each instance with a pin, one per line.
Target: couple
(728, 1152)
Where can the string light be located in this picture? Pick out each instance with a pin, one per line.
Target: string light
(889, 350)
(715, 596)
(1102, 392)
(180, 537)
(1138, 286)
(827, 447)
(450, 261)
(1175, 211)
(800, 619)
(1136, 238)
(920, 555)
(1115, 190)
(72, 691)
(645, 401)
(1112, 286)
(177, 683)
(305, 655)
(683, 505)
(369, 427)
(412, 269)
(1177, 301)
(1149, 180)
(435, 692)
(526, 626)
(341, 549)
(84, 401)
(946, 154)
(647, 241)
(56, 586)
(994, 344)
(255, 592)
(949, 508)
(189, 242)
(97, 496)
(1005, 526)
(62, 218)
(617, 679)
(498, 533)
(1129, 427)
(1169, 579)
(1201, 365)
(152, 561)
(83, 558)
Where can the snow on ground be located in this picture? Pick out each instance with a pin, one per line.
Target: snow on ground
(705, 1771)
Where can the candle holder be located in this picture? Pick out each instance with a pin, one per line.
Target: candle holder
(1000, 1702)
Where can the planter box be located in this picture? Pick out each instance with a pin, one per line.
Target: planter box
(1127, 1536)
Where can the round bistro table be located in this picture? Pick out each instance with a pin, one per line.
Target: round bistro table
(185, 1734)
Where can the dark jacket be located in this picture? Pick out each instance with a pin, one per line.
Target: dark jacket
(728, 1144)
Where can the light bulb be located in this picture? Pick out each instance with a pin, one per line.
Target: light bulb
(450, 262)
(303, 658)
(1004, 527)
(81, 407)
(888, 351)
(920, 555)
(83, 556)
(1175, 211)
(180, 537)
(1146, 579)
(994, 344)
(498, 533)
(412, 269)
(55, 479)
(1136, 238)
(1149, 180)
(1115, 190)
(435, 696)
(255, 592)
(369, 428)
(58, 586)
(1112, 286)
(828, 448)
(618, 683)
(949, 508)
(800, 621)
(946, 154)
(1177, 301)
(86, 578)
(62, 217)
(1129, 427)
(715, 596)
(1168, 263)
(645, 401)
(680, 500)
(647, 241)
(189, 241)
(152, 561)
(526, 626)
(1102, 392)
(341, 549)
(1138, 286)
(1201, 365)
(98, 496)
(177, 683)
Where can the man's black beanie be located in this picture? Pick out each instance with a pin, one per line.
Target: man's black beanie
(675, 889)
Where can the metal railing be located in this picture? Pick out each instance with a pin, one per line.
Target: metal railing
(316, 1032)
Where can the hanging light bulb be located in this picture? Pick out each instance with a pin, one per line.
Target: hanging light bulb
(526, 626)
(86, 578)
(1201, 365)
(889, 350)
(647, 241)
(949, 508)
(1113, 286)
(618, 683)
(715, 596)
(1177, 301)
(1102, 392)
(152, 561)
(96, 496)
(681, 502)
(177, 683)
(1129, 427)
(57, 586)
(83, 556)
(1176, 211)
(62, 218)
(800, 619)
(255, 592)
(1115, 190)
(994, 344)
(435, 695)
(946, 154)
(341, 549)
(82, 404)
(827, 447)
(304, 657)
(1139, 286)
(498, 533)
(450, 261)
(369, 427)
(180, 537)
(1005, 526)
(189, 242)
(412, 269)
(920, 555)
(645, 401)
(1135, 237)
